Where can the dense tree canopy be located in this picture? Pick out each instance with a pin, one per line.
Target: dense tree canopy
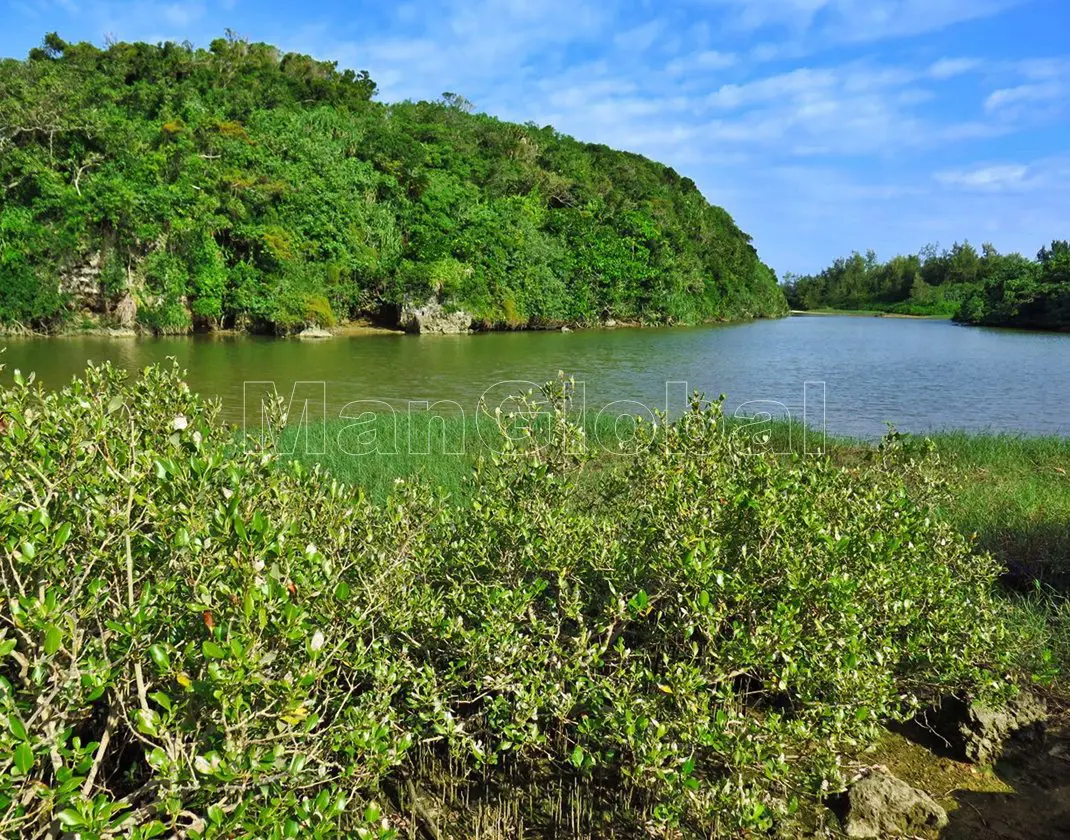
(979, 288)
(239, 186)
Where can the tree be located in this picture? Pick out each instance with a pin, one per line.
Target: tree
(242, 186)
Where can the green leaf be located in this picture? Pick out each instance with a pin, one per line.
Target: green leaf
(23, 758)
(53, 639)
(6, 647)
(159, 657)
(213, 650)
(147, 721)
(70, 818)
(156, 758)
(18, 728)
(63, 533)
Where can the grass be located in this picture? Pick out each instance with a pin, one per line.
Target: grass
(1012, 492)
(379, 449)
(376, 451)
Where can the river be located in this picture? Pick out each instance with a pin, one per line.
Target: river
(853, 375)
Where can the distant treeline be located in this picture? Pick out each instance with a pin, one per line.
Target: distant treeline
(237, 186)
(977, 288)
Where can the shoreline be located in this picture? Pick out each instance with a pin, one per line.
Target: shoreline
(862, 313)
(364, 327)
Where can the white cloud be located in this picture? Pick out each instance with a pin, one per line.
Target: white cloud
(998, 177)
(858, 20)
(948, 68)
(825, 210)
(181, 14)
(1039, 91)
(801, 84)
(1022, 94)
(702, 61)
(471, 48)
(1051, 174)
(640, 38)
(868, 20)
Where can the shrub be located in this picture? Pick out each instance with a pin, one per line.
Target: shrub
(318, 311)
(164, 310)
(207, 275)
(26, 296)
(203, 636)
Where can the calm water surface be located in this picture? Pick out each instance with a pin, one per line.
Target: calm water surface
(857, 373)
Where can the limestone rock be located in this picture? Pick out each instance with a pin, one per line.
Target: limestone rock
(984, 730)
(880, 805)
(315, 332)
(973, 731)
(83, 284)
(433, 318)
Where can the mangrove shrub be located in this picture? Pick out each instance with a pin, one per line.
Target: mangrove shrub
(200, 635)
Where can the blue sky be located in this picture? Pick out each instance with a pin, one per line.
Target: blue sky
(823, 126)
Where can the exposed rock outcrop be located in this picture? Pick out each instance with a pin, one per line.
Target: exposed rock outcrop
(82, 283)
(315, 332)
(978, 732)
(431, 317)
(879, 805)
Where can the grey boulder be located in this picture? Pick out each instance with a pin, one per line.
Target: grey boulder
(880, 805)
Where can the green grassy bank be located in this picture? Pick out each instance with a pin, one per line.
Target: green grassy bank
(1012, 492)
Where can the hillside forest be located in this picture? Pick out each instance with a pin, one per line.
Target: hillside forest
(172, 188)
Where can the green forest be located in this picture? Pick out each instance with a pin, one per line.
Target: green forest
(175, 189)
(989, 288)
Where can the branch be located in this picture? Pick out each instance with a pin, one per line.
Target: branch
(105, 739)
